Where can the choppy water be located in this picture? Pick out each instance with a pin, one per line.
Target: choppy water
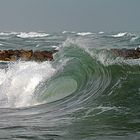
(84, 94)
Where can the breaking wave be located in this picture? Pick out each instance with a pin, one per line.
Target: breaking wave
(31, 35)
(84, 93)
(18, 82)
(84, 33)
(120, 34)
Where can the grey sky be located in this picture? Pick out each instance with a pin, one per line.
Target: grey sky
(73, 15)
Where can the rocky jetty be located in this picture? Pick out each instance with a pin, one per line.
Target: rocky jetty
(26, 55)
(30, 55)
(127, 53)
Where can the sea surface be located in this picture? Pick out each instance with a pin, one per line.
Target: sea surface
(85, 93)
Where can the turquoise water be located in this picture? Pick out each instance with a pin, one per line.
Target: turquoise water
(84, 94)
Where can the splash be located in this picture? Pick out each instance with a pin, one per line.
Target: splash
(19, 82)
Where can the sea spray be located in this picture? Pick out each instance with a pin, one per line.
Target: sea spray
(20, 80)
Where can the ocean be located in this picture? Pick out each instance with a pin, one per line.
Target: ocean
(85, 93)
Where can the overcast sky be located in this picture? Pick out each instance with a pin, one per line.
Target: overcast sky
(71, 15)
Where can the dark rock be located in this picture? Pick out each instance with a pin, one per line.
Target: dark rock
(42, 55)
(26, 55)
(127, 53)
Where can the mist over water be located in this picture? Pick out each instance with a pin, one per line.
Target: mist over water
(85, 93)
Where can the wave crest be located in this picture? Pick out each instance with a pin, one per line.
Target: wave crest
(31, 35)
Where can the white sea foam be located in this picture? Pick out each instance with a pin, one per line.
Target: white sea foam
(134, 38)
(100, 109)
(7, 33)
(106, 58)
(84, 33)
(101, 32)
(19, 82)
(31, 35)
(119, 34)
(56, 47)
(64, 32)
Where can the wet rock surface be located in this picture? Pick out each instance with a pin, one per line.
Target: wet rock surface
(30, 55)
(26, 55)
(127, 53)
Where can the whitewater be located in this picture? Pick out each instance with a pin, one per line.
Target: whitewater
(85, 93)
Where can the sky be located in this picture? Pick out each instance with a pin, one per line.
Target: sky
(69, 15)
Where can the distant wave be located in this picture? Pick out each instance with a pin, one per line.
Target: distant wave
(133, 39)
(84, 33)
(64, 32)
(31, 35)
(119, 34)
(55, 47)
(7, 33)
(101, 32)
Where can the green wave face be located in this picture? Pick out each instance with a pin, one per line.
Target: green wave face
(59, 88)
